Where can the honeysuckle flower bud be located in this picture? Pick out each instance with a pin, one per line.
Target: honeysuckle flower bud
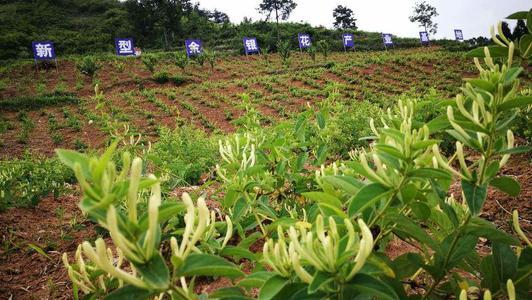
(372, 126)
(364, 250)
(510, 145)
(511, 49)
(517, 228)
(458, 128)
(487, 295)
(153, 220)
(510, 288)
(461, 159)
(132, 195)
(127, 247)
(477, 64)
(296, 264)
(442, 163)
(463, 295)
(229, 231)
(100, 258)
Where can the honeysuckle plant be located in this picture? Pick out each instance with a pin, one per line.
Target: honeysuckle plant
(141, 267)
(328, 260)
(399, 186)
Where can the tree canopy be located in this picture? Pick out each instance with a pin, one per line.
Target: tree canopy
(344, 18)
(423, 14)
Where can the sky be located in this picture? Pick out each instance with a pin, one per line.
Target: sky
(474, 17)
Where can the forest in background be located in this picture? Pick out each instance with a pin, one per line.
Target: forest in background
(88, 27)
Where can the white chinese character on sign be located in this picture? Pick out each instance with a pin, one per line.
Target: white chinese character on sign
(347, 38)
(387, 39)
(43, 50)
(305, 40)
(194, 47)
(124, 46)
(251, 45)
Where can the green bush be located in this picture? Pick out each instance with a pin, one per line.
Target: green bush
(181, 156)
(36, 102)
(24, 182)
(161, 77)
(88, 65)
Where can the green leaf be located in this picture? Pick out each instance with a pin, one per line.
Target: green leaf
(506, 184)
(71, 157)
(237, 252)
(129, 292)
(475, 195)
(272, 287)
(321, 197)
(347, 184)
(390, 150)
(321, 120)
(511, 75)
(318, 280)
(373, 287)
(482, 228)
(495, 51)
(525, 41)
(490, 279)
(505, 261)
(39, 250)
(482, 84)
(366, 197)
(430, 173)
(200, 264)
(255, 280)
(167, 210)
(154, 272)
(228, 293)
(516, 150)
(520, 15)
(407, 229)
(516, 102)
(438, 123)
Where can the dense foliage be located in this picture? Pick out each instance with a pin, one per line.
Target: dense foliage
(81, 27)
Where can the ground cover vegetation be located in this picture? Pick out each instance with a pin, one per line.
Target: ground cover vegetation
(285, 175)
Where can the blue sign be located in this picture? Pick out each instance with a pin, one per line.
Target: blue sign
(349, 40)
(387, 39)
(458, 35)
(124, 46)
(304, 40)
(424, 38)
(193, 47)
(251, 45)
(43, 50)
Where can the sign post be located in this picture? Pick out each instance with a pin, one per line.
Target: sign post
(251, 46)
(387, 40)
(124, 46)
(348, 41)
(193, 47)
(43, 50)
(304, 41)
(424, 38)
(459, 35)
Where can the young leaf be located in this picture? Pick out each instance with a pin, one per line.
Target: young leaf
(475, 196)
(373, 287)
(130, 292)
(366, 197)
(319, 279)
(200, 264)
(255, 280)
(506, 184)
(516, 102)
(154, 272)
(348, 184)
(321, 197)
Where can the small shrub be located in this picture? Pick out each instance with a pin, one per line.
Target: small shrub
(181, 60)
(149, 62)
(88, 66)
(24, 182)
(161, 77)
(183, 155)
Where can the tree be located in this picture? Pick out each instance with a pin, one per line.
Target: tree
(423, 14)
(282, 9)
(218, 17)
(344, 18)
(519, 30)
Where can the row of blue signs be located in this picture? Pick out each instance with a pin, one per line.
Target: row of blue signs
(125, 46)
